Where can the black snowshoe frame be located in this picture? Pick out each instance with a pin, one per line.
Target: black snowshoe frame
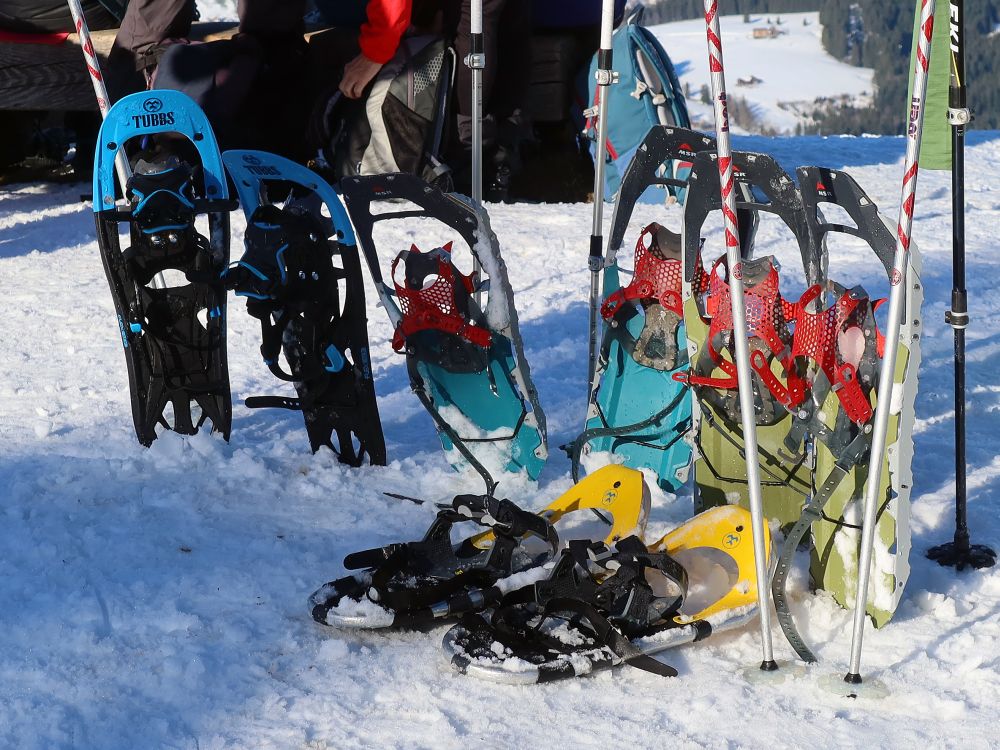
(602, 593)
(301, 276)
(174, 337)
(433, 578)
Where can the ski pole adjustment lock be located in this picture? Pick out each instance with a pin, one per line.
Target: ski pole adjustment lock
(959, 116)
(606, 77)
(958, 316)
(476, 61)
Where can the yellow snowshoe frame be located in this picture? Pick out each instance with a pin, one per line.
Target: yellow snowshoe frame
(616, 490)
(725, 528)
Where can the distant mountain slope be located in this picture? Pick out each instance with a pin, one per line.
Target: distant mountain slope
(878, 35)
(780, 79)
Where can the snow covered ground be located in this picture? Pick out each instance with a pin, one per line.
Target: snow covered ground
(156, 598)
(792, 69)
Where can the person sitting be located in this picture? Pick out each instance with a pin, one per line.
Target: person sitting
(256, 87)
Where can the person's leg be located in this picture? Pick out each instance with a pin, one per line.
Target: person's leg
(147, 23)
(513, 63)
(459, 17)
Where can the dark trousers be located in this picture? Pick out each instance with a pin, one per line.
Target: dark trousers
(507, 44)
(149, 23)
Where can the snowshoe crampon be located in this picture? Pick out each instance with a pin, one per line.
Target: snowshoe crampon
(301, 277)
(604, 605)
(170, 303)
(465, 360)
(447, 574)
(639, 412)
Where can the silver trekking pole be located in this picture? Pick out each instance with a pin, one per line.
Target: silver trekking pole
(476, 61)
(747, 418)
(883, 408)
(605, 76)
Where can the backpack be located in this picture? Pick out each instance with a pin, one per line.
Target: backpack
(400, 126)
(647, 93)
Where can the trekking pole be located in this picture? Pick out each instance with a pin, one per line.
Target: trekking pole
(896, 295)
(100, 91)
(476, 61)
(959, 553)
(604, 76)
(747, 417)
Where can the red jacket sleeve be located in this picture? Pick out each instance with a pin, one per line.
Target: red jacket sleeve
(387, 20)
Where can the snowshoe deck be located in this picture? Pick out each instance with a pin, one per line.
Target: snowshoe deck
(720, 467)
(602, 606)
(841, 408)
(405, 585)
(465, 363)
(170, 304)
(301, 276)
(638, 411)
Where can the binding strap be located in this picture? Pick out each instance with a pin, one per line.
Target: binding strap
(817, 336)
(449, 576)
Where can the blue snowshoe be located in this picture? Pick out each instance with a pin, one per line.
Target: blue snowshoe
(639, 412)
(301, 277)
(170, 303)
(465, 362)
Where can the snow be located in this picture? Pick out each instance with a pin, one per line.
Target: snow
(217, 10)
(158, 597)
(794, 68)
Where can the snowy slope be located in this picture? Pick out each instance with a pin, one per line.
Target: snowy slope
(157, 598)
(793, 68)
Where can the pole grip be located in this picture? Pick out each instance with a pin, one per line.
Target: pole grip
(476, 24)
(607, 23)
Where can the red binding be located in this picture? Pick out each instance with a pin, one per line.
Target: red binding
(766, 310)
(433, 307)
(816, 337)
(654, 278)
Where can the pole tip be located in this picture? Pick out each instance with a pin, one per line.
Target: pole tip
(769, 666)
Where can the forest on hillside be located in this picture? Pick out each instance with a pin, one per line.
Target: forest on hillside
(877, 34)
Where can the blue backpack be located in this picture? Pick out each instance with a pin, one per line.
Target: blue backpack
(647, 93)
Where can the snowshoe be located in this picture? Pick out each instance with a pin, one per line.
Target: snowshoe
(837, 334)
(170, 304)
(444, 575)
(638, 411)
(604, 605)
(301, 277)
(465, 362)
(720, 465)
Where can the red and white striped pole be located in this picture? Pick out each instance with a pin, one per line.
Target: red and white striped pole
(745, 384)
(100, 91)
(883, 408)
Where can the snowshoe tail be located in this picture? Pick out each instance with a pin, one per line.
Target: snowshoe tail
(407, 585)
(170, 304)
(466, 364)
(301, 277)
(602, 607)
(639, 412)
